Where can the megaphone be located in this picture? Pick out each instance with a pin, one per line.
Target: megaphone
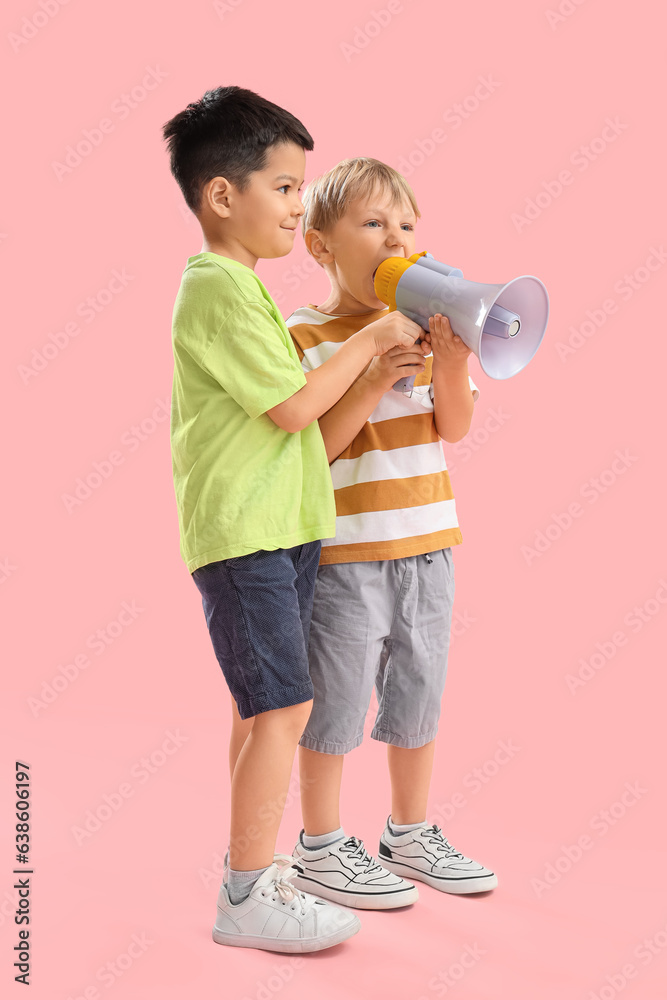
(502, 324)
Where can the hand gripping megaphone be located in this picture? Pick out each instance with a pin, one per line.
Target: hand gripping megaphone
(502, 324)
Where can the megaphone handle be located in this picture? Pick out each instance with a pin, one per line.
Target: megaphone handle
(404, 384)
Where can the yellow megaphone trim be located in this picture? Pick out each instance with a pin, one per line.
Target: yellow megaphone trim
(388, 275)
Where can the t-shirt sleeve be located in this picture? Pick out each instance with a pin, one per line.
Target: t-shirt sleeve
(250, 359)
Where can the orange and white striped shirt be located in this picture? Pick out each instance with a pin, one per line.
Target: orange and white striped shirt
(392, 480)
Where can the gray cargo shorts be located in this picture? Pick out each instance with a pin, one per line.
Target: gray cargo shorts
(386, 624)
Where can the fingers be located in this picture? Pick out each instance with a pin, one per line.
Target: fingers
(406, 355)
(442, 334)
(413, 327)
(441, 326)
(410, 359)
(421, 349)
(404, 368)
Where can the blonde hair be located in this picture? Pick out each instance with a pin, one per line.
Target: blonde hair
(327, 197)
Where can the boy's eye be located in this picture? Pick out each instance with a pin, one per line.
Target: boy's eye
(404, 225)
(285, 188)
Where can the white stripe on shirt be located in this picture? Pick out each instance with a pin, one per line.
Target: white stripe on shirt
(397, 463)
(389, 525)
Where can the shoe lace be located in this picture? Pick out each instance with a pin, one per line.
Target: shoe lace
(436, 836)
(283, 888)
(358, 853)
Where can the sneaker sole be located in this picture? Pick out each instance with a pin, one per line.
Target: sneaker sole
(456, 886)
(387, 901)
(289, 945)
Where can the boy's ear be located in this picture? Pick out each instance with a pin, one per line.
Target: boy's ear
(217, 195)
(316, 246)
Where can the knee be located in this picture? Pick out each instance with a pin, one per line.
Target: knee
(297, 716)
(291, 721)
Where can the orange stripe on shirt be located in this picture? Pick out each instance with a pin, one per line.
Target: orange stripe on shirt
(338, 328)
(385, 435)
(393, 494)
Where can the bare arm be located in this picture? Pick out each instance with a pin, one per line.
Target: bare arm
(453, 401)
(327, 384)
(341, 424)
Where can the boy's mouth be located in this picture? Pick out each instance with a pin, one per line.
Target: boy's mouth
(378, 266)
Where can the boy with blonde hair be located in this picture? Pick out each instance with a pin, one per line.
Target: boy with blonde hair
(385, 584)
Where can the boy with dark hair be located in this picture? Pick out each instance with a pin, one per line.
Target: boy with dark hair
(252, 481)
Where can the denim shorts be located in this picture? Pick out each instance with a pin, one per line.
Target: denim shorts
(258, 610)
(384, 624)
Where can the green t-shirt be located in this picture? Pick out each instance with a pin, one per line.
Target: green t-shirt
(242, 484)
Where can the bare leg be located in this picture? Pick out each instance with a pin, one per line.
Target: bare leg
(260, 785)
(320, 775)
(410, 772)
(240, 732)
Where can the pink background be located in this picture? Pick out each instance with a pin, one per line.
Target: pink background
(566, 921)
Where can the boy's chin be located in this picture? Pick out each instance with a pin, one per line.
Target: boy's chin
(275, 253)
(271, 251)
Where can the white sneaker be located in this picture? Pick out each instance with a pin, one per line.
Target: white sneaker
(345, 872)
(426, 855)
(276, 917)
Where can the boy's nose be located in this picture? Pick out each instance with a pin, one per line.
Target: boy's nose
(396, 237)
(396, 242)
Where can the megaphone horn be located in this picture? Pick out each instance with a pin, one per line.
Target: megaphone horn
(502, 324)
